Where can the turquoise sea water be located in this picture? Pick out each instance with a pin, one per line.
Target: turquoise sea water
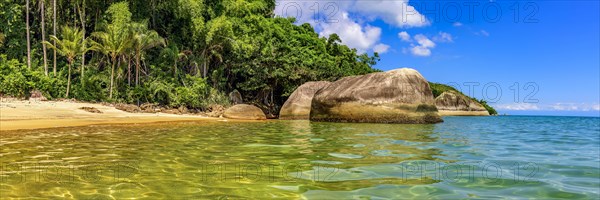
(464, 157)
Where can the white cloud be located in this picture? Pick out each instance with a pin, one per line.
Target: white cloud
(482, 33)
(381, 48)
(574, 107)
(353, 34)
(349, 18)
(443, 37)
(424, 41)
(517, 106)
(562, 107)
(457, 24)
(404, 36)
(423, 46)
(420, 51)
(549, 107)
(397, 12)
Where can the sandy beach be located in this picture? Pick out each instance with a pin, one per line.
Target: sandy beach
(25, 114)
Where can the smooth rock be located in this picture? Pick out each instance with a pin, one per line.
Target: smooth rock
(396, 96)
(244, 111)
(297, 105)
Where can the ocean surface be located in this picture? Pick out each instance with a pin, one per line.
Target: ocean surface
(513, 157)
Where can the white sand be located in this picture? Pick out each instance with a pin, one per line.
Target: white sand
(19, 114)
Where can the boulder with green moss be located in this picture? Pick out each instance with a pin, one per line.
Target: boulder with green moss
(396, 96)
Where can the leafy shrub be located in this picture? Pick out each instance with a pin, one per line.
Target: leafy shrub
(216, 97)
(197, 94)
(17, 80)
(160, 91)
(489, 108)
(437, 89)
(92, 88)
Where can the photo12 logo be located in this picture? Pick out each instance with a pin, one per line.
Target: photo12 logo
(492, 92)
(66, 173)
(407, 13)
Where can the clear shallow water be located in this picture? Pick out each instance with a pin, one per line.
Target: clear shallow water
(464, 157)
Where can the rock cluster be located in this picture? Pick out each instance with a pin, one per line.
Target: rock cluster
(396, 96)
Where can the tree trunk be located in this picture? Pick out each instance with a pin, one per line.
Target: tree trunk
(117, 76)
(82, 17)
(112, 75)
(44, 36)
(129, 70)
(54, 33)
(137, 68)
(28, 40)
(175, 70)
(69, 79)
(204, 69)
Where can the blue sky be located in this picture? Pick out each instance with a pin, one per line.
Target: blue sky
(545, 59)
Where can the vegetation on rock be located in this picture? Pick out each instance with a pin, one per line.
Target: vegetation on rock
(437, 89)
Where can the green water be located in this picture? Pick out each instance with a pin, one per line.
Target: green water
(464, 157)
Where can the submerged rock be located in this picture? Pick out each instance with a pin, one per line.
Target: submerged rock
(396, 96)
(244, 111)
(297, 105)
(451, 103)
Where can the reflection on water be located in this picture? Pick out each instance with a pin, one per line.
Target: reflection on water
(474, 157)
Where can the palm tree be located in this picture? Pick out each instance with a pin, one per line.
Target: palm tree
(71, 45)
(143, 39)
(173, 52)
(28, 41)
(43, 25)
(113, 43)
(210, 52)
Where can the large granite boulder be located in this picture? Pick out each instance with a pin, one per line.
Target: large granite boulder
(297, 105)
(244, 111)
(451, 103)
(396, 96)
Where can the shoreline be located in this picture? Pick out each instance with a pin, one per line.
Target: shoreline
(30, 115)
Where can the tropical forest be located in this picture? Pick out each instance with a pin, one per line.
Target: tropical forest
(175, 53)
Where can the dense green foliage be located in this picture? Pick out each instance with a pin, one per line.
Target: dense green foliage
(437, 89)
(174, 52)
(17, 80)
